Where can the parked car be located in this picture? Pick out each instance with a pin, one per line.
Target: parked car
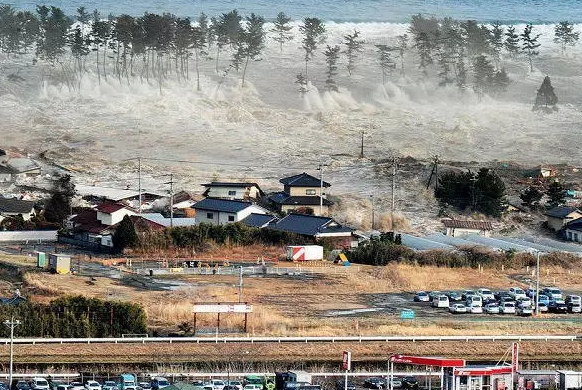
(421, 296)
(201, 385)
(63, 386)
(144, 385)
(574, 307)
(374, 383)
(573, 299)
(441, 301)
(76, 386)
(109, 385)
(409, 382)
(454, 296)
(500, 294)
(250, 386)
(341, 385)
(544, 299)
(516, 293)
(457, 308)
(507, 308)
(485, 294)
(475, 308)
(466, 293)
(21, 385)
(558, 306)
(433, 294)
(492, 308)
(553, 292)
(159, 382)
(524, 310)
(506, 299)
(396, 382)
(92, 385)
(542, 307)
(474, 300)
(524, 301)
(236, 384)
(39, 383)
(217, 384)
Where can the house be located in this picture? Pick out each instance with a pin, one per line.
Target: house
(559, 216)
(318, 228)
(112, 213)
(573, 230)
(222, 211)
(108, 194)
(15, 207)
(461, 228)
(259, 220)
(233, 190)
(302, 192)
(167, 222)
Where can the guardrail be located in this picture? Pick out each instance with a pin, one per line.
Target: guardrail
(251, 340)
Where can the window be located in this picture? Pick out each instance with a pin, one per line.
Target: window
(231, 193)
(231, 218)
(310, 191)
(209, 215)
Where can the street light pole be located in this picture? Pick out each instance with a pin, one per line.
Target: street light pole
(11, 324)
(537, 283)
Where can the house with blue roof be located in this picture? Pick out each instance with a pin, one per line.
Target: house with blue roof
(223, 211)
(302, 192)
(559, 217)
(259, 220)
(317, 228)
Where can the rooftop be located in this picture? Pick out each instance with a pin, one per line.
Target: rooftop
(258, 220)
(22, 164)
(227, 206)
(561, 211)
(308, 225)
(467, 224)
(109, 208)
(283, 198)
(303, 180)
(230, 184)
(15, 206)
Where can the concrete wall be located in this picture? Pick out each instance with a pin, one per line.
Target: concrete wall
(286, 208)
(223, 218)
(29, 235)
(240, 193)
(113, 218)
(463, 232)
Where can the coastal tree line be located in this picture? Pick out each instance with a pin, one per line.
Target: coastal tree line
(155, 47)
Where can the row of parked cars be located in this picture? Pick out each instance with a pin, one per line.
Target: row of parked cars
(514, 301)
(40, 383)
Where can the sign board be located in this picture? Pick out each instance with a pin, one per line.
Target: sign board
(225, 308)
(514, 359)
(347, 361)
(427, 361)
(407, 314)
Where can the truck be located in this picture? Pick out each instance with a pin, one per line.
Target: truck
(127, 382)
(304, 252)
(292, 380)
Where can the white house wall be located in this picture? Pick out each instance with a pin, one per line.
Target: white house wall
(113, 218)
(240, 193)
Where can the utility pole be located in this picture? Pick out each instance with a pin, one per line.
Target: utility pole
(11, 324)
(373, 216)
(240, 284)
(139, 184)
(321, 188)
(362, 146)
(537, 283)
(434, 172)
(393, 194)
(473, 197)
(171, 183)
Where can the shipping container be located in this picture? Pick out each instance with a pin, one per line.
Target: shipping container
(304, 252)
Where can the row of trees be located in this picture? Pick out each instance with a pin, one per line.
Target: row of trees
(76, 316)
(157, 46)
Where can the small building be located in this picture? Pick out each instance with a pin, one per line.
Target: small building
(462, 228)
(222, 211)
(302, 192)
(59, 263)
(573, 230)
(112, 213)
(560, 216)
(233, 190)
(570, 380)
(16, 207)
(317, 228)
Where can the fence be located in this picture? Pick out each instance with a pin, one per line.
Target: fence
(29, 236)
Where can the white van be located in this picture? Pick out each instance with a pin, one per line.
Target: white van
(474, 300)
(441, 301)
(39, 383)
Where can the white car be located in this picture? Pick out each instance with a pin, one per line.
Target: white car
(486, 294)
(524, 301)
(217, 384)
(457, 308)
(109, 385)
(473, 300)
(475, 309)
(253, 387)
(573, 299)
(441, 301)
(517, 293)
(507, 308)
(553, 292)
(236, 384)
(39, 383)
(92, 385)
(492, 308)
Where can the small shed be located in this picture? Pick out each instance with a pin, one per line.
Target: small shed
(59, 263)
(570, 380)
(41, 259)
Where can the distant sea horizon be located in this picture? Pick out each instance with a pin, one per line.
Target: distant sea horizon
(340, 11)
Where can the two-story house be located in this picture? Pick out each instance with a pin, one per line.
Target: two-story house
(233, 190)
(223, 211)
(302, 192)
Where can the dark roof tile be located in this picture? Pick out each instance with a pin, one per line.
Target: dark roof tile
(258, 220)
(227, 206)
(461, 224)
(561, 211)
(303, 180)
(15, 206)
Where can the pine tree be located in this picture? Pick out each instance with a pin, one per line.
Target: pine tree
(252, 41)
(546, 98)
(199, 44)
(125, 235)
(282, 30)
(313, 31)
(497, 33)
(402, 45)
(530, 44)
(531, 197)
(387, 64)
(557, 194)
(483, 75)
(477, 38)
(301, 81)
(500, 81)
(59, 204)
(461, 78)
(565, 35)
(354, 46)
(512, 42)
(331, 57)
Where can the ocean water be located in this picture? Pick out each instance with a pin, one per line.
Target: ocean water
(396, 11)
